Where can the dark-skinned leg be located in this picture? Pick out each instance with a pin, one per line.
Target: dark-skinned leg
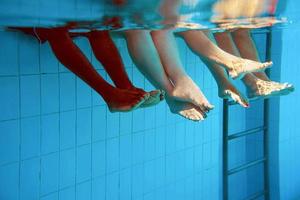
(72, 58)
(108, 55)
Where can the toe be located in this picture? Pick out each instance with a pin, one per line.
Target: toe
(210, 107)
(146, 95)
(267, 64)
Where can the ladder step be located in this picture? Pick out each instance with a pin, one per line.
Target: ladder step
(245, 166)
(247, 132)
(256, 195)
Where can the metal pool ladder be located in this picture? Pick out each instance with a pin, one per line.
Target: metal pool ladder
(263, 129)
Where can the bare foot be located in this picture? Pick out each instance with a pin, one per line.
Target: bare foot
(185, 109)
(187, 91)
(121, 100)
(154, 98)
(228, 91)
(239, 67)
(264, 89)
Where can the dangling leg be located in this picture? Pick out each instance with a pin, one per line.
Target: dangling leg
(146, 58)
(71, 57)
(184, 87)
(106, 52)
(203, 46)
(247, 49)
(259, 85)
(226, 89)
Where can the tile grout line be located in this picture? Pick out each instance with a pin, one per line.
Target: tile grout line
(91, 132)
(59, 130)
(19, 121)
(40, 120)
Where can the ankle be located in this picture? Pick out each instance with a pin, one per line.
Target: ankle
(251, 82)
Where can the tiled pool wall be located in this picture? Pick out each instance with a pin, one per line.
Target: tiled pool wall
(59, 141)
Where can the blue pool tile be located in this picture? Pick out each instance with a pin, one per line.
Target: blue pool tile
(9, 101)
(149, 145)
(189, 188)
(99, 123)
(137, 78)
(160, 172)
(28, 55)
(149, 117)
(160, 141)
(112, 186)
(189, 134)
(83, 126)
(125, 123)
(112, 124)
(171, 141)
(50, 93)
(125, 184)
(67, 129)
(180, 136)
(160, 193)
(180, 159)
(67, 91)
(137, 148)
(84, 94)
(170, 168)
(138, 120)
(49, 173)
(207, 155)
(67, 194)
(67, 168)
(150, 196)
(98, 159)
(9, 141)
(50, 133)
(179, 192)
(125, 151)
(30, 95)
(137, 181)
(112, 155)
(215, 154)
(199, 128)
(171, 192)
(198, 182)
(48, 61)
(53, 196)
(30, 179)
(84, 45)
(189, 162)
(83, 172)
(98, 188)
(83, 191)
(9, 181)
(149, 176)
(9, 56)
(30, 137)
(160, 114)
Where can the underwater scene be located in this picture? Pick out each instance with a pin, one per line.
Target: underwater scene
(149, 100)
